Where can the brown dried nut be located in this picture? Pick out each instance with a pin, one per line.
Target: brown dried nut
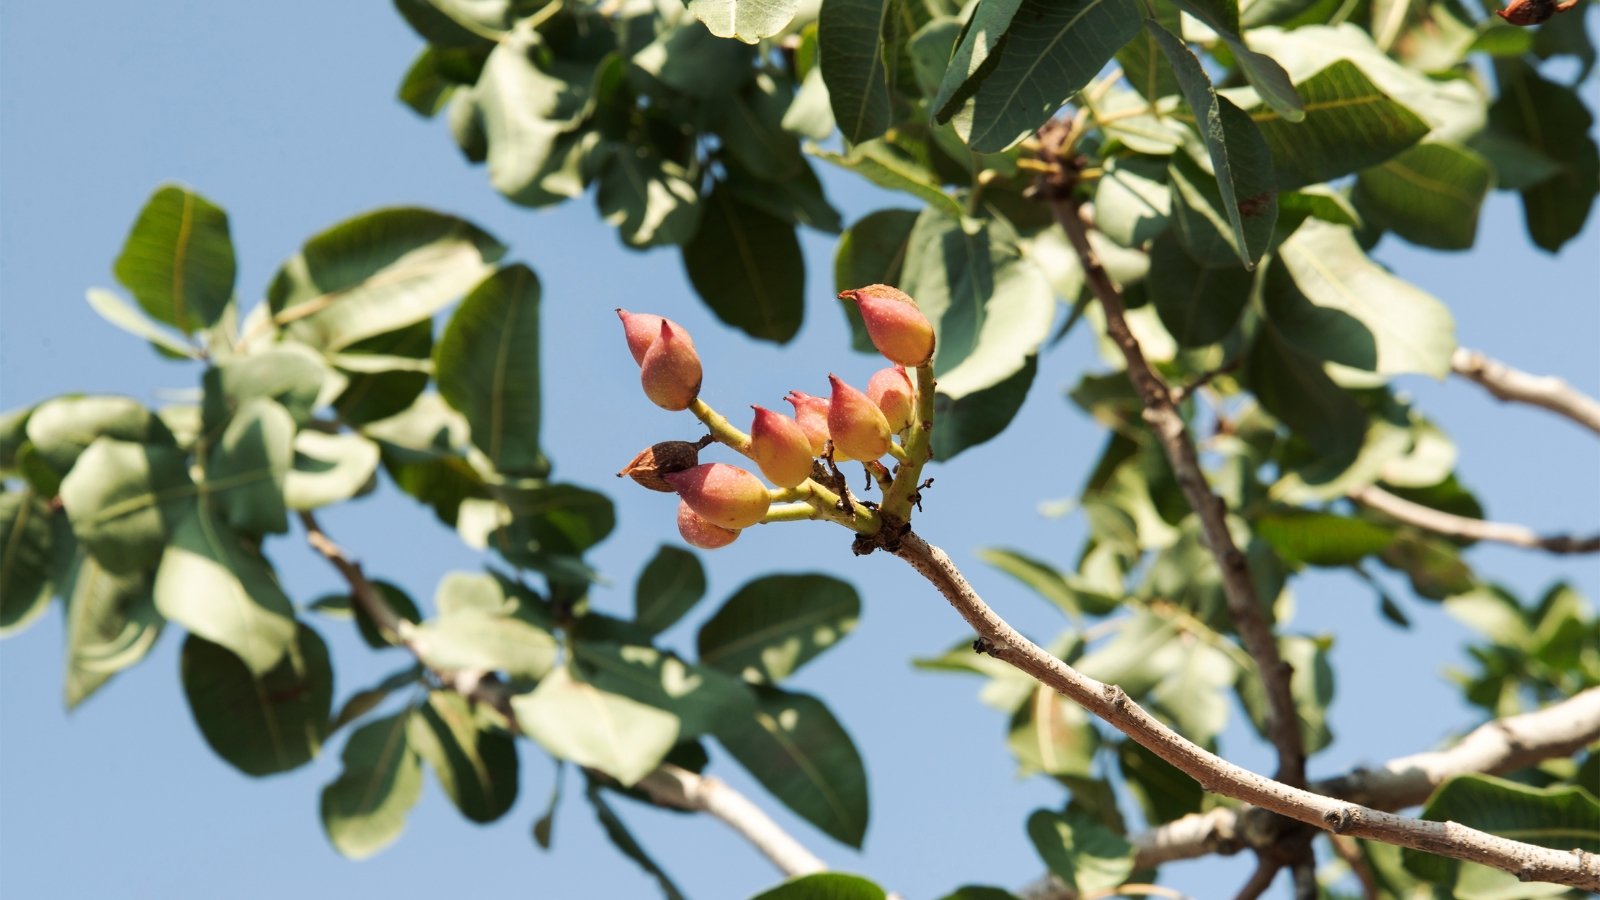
(659, 460)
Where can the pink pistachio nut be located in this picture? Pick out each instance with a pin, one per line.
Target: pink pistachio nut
(811, 413)
(858, 427)
(780, 447)
(897, 327)
(670, 371)
(891, 390)
(723, 495)
(700, 533)
(642, 329)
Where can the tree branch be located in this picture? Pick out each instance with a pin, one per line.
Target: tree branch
(1112, 704)
(1452, 525)
(666, 785)
(1161, 414)
(1511, 385)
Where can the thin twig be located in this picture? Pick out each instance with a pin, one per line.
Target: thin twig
(1511, 385)
(1217, 775)
(1452, 525)
(1244, 607)
(667, 784)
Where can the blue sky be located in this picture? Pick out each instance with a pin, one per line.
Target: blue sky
(284, 115)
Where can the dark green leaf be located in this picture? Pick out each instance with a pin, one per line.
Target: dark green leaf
(551, 526)
(1350, 124)
(368, 699)
(1433, 565)
(979, 416)
(1164, 792)
(617, 831)
(774, 625)
(752, 134)
(872, 251)
(797, 750)
(1197, 305)
(365, 809)
(824, 886)
(1049, 51)
(700, 697)
(1552, 120)
(689, 59)
(217, 585)
(374, 395)
(798, 199)
(26, 544)
(979, 892)
(745, 264)
(455, 23)
(1132, 200)
(671, 583)
(377, 273)
(1430, 194)
(652, 202)
(261, 722)
(123, 498)
(178, 260)
(1320, 538)
(544, 826)
(477, 768)
(747, 20)
(338, 606)
(488, 368)
(1080, 851)
(1294, 388)
(1238, 152)
(886, 165)
(851, 57)
(247, 467)
(111, 624)
(1265, 75)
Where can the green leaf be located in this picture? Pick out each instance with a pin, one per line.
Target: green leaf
(745, 264)
(368, 699)
(1080, 851)
(1197, 305)
(617, 831)
(178, 260)
(1317, 202)
(470, 639)
(1141, 654)
(979, 892)
(291, 374)
(594, 728)
(701, 697)
(123, 498)
(339, 606)
(1350, 124)
(1430, 194)
(477, 768)
(1295, 389)
(62, 428)
(120, 313)
(406, 360)
(747, 20)
(1333, 302)
(214, 583)
(824, 886)
(872, 251)
(1164, 793)
(364, 810)
(801, 754)
(1067, 592)
(652, 202)
(377, 273)
(1552, 120)
(526, 113)
(1311, 687)
(246, 468)
(488, 368)
(774, 625)
(1560, 817)
(689, 59)
(1048, 52)
(26, 541)
(1433, 566)
(1053, 736)
(455, 23)
(1238, 152)
(1194, 694)
(981, 415)
(111, 624)
(797, 199)
(328, 469)
(1320, 538)
(851, 57)
(551, 526)
(1131, 199)
(982, 36)
(261, 722)
(886, 165)
(669, 585)
(544, 826)
(1265, 75)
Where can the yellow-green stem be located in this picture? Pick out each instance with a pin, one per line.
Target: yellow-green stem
(862, 520)
(918, 449)
(791, 512)
(897, 451)
(720, 427)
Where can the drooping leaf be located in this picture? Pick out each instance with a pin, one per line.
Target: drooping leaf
(487, 365)
(365, 809)
(218, 586)
(1333, 302)
(1198, 305)
(1079, 850)
(120, 313)
(824, 886)
(691, 60)
(261, 722)
(26, 541)
(111, 624)
(617, 832)
(1430, 194)
(1048, 52)
(979, 416)
(1349, 125)
(123, 499)
(476, 767)
(1552, 120)
(377, 273)
(851, 58)
(247, 467)
(178, 260)
(745, 264)
(577, 721)
(670, 584)
(1320, 538)
(772, 626)
(1295, 389)
(747, 20)
(797, 750)
(1238, 151)
(1164, 793)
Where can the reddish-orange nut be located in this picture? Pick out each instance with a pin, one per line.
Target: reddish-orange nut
(858, 427)
(811, 413)
(700, 533)
(891, 390)
(642, 329)
(670, 371)
(723, 495)
(780, 448)
(897, 327)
